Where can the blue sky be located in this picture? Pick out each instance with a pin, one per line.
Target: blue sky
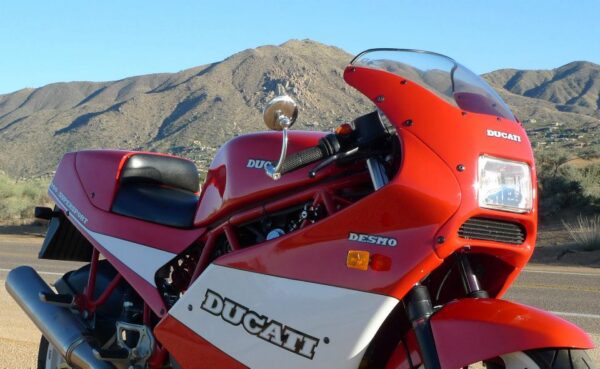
(52, 41)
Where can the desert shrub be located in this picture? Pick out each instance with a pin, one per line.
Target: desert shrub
(589, 177)
(19, 198)
(585, 232)
(562, 186)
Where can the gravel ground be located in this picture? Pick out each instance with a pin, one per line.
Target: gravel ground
(21, 353)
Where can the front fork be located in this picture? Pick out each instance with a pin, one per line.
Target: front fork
(420, 308)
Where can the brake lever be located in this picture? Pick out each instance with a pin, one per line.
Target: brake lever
(330, 160)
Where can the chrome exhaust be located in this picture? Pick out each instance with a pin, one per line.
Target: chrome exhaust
(61, 327)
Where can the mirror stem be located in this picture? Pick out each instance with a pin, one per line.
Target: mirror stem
(274, 171)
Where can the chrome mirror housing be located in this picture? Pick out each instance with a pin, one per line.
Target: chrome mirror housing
(279, 115)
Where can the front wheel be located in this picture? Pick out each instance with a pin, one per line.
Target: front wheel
(543, 359)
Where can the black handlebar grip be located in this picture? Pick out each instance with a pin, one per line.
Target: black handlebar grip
(302, 158)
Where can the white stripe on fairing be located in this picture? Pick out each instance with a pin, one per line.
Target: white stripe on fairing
(143, 260)
(348, 318)
(577, 315)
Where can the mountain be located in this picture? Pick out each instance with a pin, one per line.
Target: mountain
(192, 112)
(574, 87)
(560, 107)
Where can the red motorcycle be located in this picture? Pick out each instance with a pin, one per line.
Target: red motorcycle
(385, 244)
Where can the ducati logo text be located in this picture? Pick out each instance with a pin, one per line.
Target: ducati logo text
(504, 135)
(256, 163)
(372, 239)
(259, 325)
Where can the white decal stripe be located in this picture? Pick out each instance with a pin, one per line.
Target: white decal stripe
(143, 260)
(343, 321)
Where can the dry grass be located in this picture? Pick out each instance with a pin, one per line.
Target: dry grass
(19, 198)
(585, 232)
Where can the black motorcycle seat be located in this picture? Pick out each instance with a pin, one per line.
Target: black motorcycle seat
(159, 189)
(158, 204)
(163, 170)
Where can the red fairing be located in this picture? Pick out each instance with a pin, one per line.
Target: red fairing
(185, 346)
(96, 171)
(237, 176)
(67, 183)
(411, 208)
(458, 138)
(470, 330)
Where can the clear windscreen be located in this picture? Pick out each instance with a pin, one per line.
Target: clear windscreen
(441, 75)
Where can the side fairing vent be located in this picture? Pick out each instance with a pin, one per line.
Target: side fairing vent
(64, 242)
(492, 230)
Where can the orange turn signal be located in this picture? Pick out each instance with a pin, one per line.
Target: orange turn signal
(358, 259)
(343, 129)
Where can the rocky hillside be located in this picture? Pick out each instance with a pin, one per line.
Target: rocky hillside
(560, 107)
(194, 111)
(189, 113)
(574, 87)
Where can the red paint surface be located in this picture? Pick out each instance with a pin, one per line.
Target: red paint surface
(470, 330)
(230, 184)
(190, 350)
(77, 186)
(456, 138)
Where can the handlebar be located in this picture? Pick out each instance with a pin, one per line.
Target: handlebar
(328, 146)
(368, 134)
(302, 158)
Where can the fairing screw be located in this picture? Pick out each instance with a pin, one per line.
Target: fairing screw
(93, 194)
(408, 123)
(326, 340)
(403, 82)
(190, 308)
(460, 168)
(463, 112)
(380, 98)
(441, 239)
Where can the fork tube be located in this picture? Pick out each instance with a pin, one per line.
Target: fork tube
(377, 172)
(469, 278)
(419, 309)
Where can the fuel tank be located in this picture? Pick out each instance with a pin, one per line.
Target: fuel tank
(237, 176)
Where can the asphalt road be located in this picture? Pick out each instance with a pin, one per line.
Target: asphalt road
(570, 292)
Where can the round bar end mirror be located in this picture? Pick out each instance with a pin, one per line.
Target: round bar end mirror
(280, 113)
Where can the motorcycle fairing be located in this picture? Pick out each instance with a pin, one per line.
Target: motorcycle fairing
(136, 248)
(409, 209)
(458, 138)
(184, 343)
(262, 320)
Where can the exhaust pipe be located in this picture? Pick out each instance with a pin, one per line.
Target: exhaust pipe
(59, 325)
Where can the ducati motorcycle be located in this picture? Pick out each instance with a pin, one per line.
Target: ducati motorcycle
(387, 243)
